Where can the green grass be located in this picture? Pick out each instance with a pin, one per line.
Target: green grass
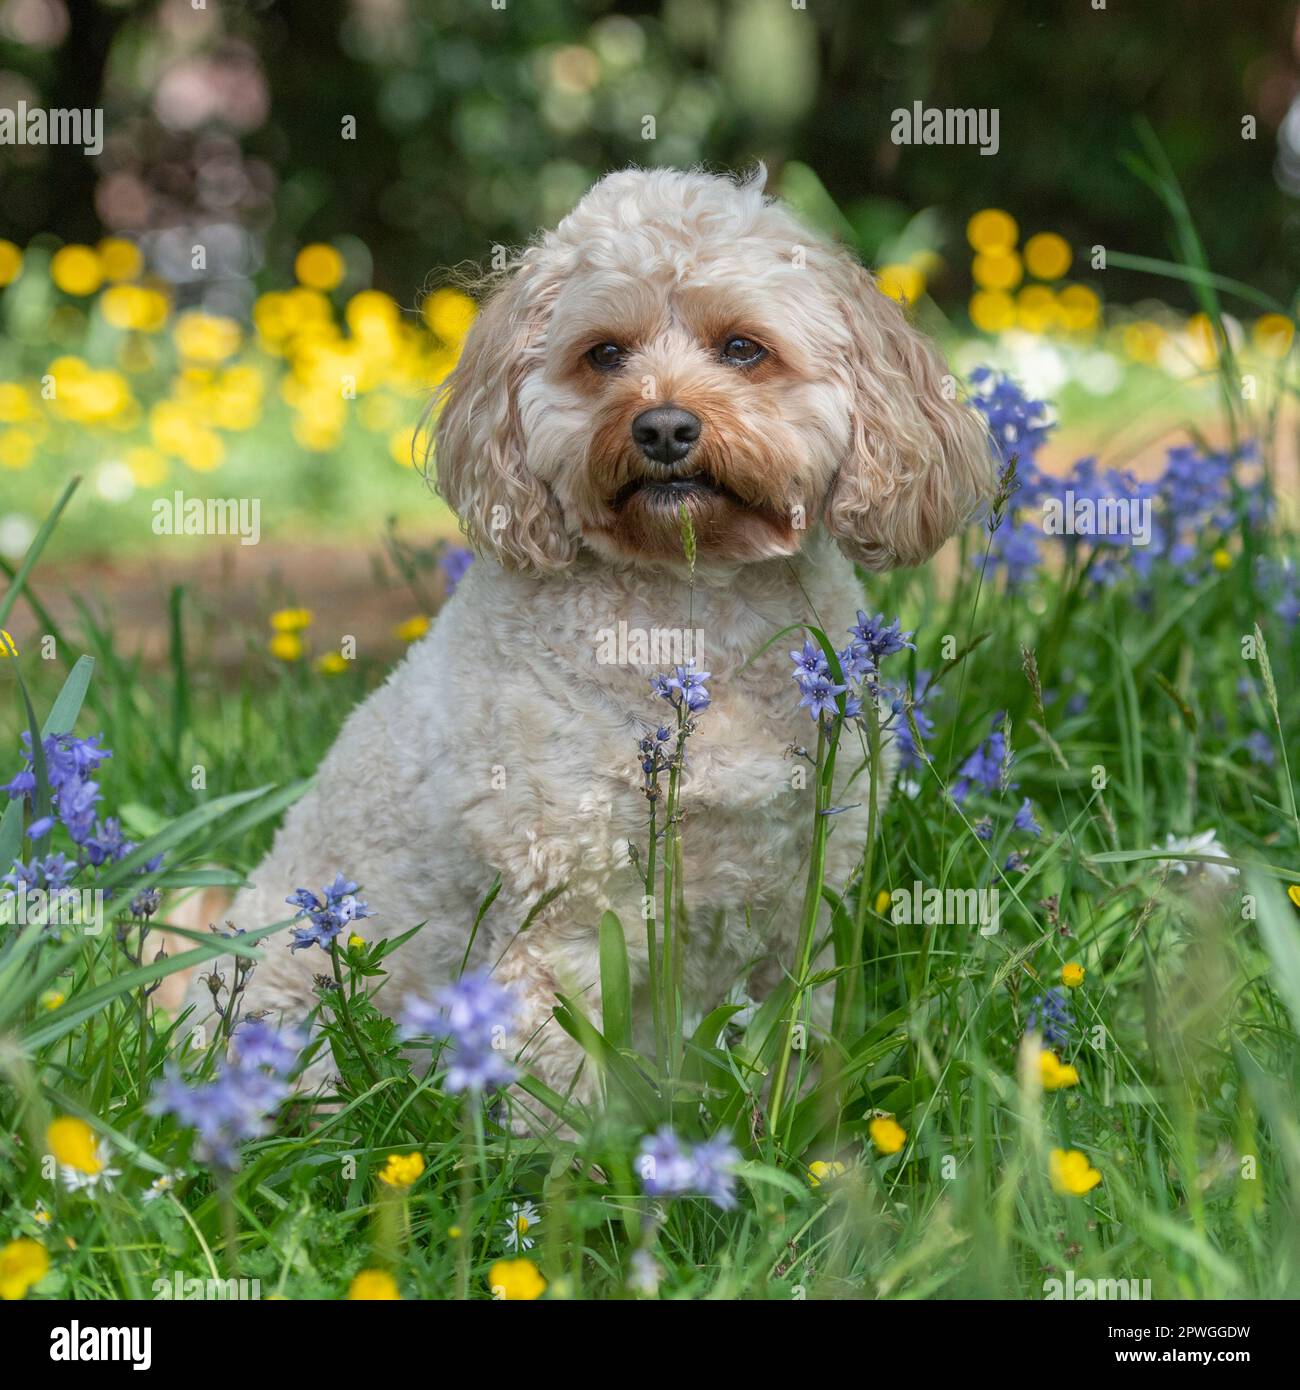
(1185, 1042)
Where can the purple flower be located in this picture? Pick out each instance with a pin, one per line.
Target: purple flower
(908, 756)
(474, 1015)
(258, 1044)
(1260, 747)
(69, 763)
(1015, 863)
(237, 1104)
(454, 561)
(808, 663)
(668, 1170)
(1025, 819)
(819, 697)
(685, 686)
(328, 914)
(1050, 1015)
(875, 639)
(988, 766)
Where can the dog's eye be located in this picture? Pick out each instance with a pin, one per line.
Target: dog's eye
(605, 356)
(742, 352)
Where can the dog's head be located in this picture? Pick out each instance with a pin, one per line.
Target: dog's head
(681, 340)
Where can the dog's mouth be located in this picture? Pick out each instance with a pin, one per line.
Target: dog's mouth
(670, 493)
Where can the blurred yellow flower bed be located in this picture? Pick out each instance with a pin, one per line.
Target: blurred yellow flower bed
(311, 407)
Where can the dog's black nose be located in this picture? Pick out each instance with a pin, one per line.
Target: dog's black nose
(667, 433)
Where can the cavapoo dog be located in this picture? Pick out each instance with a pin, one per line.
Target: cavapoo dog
(679, 340)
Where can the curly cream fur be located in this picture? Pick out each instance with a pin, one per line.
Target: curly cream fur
(504, 745)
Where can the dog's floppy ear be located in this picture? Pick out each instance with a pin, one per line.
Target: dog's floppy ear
(919, 461)
(478, 453)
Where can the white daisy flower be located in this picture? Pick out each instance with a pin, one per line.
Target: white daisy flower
(160, 1187)
(524, 1217)
(1207, 842)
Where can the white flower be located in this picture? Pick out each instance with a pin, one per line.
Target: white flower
(1205, 843)
(160, 1187)
(645, 1274)
(523, 1218)
(77, 1180)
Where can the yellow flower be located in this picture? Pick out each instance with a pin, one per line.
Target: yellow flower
(11, 262)
(1206, 339)
(992, 311)
(8, 647)
(204, 337)
(887, 1134)
(23, 1263)
(516, 1281)
(401, 446)
(42, 1215)
(76, 270)
(1071, 1173)
(1293, 892)
(1072, 974)
(1142, 340)
(904, 283)
(1079, 308)
(412, 628)
(318, 266)
(17, 449)
(1056, 1077)
(401, 1170)
(882, 902)
(331, 664)
(291, 619)
(148, 467)
(821, 1171)
(286, 646)
(134, 306)
(355, 942)
(1036, 308)
(1048, 256)
(1272, 334)
(999, 269)
(454, 1232)
(992, 229)
(374, 1285)
(1221, 559)
(120, 258)
(52, 999)
(15, 403)
(73, 1144)
(449, 314)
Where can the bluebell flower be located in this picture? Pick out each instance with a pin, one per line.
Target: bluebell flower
(667, 1169)
(877, 639)
(983, 828)
(908, 754)
(1015, 863)
(474, 1015)
(1025, 819)
(237, 1104)
(987, 767)
(454, 562)
(51, 874)
(715, 1176)
(808, 663)
(819, 697)
(1018, 426)
(69, 763)
(329, 914)
(1050, 1016)
(260, 1044)
(683, 686)
(1260, 747)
